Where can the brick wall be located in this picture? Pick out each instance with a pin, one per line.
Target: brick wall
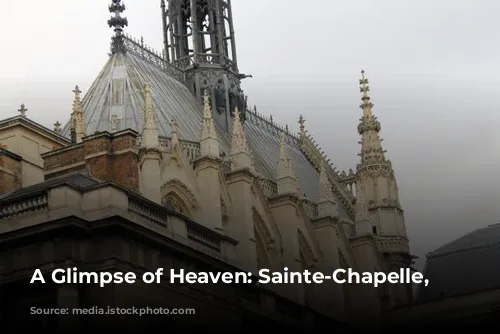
(109, 157)
(10, 171)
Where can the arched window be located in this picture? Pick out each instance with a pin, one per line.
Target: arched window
(172, 204)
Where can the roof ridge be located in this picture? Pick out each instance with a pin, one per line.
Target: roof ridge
(273, 127)
(437, 251)
(436, 254)
(153, 57)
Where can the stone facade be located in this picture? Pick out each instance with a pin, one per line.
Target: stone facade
(223, 186)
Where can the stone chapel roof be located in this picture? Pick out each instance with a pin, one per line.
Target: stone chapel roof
(466, 265)
(173, 100)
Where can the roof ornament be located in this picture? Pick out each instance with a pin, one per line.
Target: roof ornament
(238, 139)
(78, 116)
(57, 127)
(22, 110)
(118, 23)
(366, 106)
(175, 133)
(114, 123)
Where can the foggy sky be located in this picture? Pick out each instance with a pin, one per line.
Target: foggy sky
(433, 68)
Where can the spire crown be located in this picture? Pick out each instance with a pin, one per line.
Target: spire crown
(364, 88)
(118, 23)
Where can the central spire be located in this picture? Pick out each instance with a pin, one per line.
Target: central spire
(118, 23)
(199, 39)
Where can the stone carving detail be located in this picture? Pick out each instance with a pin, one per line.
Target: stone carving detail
(181, 190)
(261, 227)
(361, 205)
(306, 250)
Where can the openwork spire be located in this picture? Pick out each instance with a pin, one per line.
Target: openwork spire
(78, 117)
(118, 23)
(208, 142)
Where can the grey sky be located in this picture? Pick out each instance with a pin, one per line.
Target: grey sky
(433, 67)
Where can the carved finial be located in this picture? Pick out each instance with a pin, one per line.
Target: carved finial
(118, 23)
(327, 204)
(286, 177)
(22, 110)
(207, 110)
(209, 143)
(240, 152)
(149, 113)
(239, 141)
(366, 106)
(149, 125)
(114, 123)
(78, 117)
(175, 133)
(77, 93)
(57, 127)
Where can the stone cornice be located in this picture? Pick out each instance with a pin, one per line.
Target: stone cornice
(238, 174)
(284, 199)
(7, 153)
(34, 126)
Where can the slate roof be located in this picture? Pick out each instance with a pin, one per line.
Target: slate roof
(173, 100)
(466, 265)
(80, 180)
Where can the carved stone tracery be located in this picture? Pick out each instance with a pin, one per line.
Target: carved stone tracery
(179, 194)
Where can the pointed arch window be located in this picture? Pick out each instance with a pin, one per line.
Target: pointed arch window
(171, 203)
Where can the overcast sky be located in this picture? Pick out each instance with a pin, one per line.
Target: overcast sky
(433, 67)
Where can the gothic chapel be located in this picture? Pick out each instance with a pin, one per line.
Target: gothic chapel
(164, 146)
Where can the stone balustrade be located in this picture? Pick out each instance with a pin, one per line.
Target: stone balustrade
(393, 244)
(105, 201)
